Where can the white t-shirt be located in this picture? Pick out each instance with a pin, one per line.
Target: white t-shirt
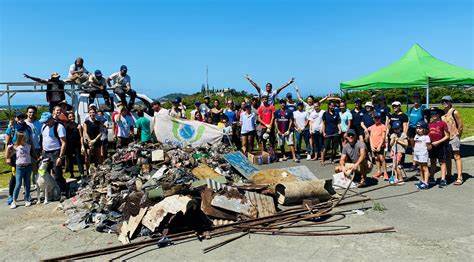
(124, 125)
(420, 147)
(247, 122)
(119, 80)
(50, 141)
(72, 68)
(271, 95)
(315, 120)
(300, 118)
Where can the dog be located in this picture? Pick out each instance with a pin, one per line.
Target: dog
(45, 183)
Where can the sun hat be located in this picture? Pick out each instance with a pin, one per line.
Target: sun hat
(396, 103)
(45, 116)
(368, 104)
(55, 75)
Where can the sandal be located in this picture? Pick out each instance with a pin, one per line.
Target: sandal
(458, 182)
(362, 184)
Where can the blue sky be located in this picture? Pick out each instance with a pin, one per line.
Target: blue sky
(167, 44)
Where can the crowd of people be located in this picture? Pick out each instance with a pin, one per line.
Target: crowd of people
(355, 140)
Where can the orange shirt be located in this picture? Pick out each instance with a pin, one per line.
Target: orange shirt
(377, 137)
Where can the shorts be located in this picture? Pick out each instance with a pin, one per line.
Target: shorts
(411, 132)
(439, 152)
(379, 152)
(362, 169)
(421, 157)
(455, 144)
(262, 130)
(331, 142)
(250, 133)
(285, 139)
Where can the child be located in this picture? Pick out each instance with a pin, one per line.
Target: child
(439, 136)
(377, 137)
(23, 165)
(422, 144)
(398, 144)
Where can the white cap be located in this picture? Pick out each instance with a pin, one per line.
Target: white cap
(368, 104)
(396, 103)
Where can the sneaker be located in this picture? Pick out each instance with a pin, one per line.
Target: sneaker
(442, 183)
(27, 203)
(9, 200)
(13, 205)
(392, 180)
(422, 186)
(308, 157)
(296, 160)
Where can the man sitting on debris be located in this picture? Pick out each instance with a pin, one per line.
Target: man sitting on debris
(268, 92)
(353, 158)
(97, 84)
(77, 72)
(53, 135)
(124, 123)
(54, 89)
(122, 87)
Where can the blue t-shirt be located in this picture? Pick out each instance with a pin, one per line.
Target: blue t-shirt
(368, 120)
(357, 117)
(13, 130)
(330, 123)
(345, 117)
(282, 119)
(415, 115)
(383, 111)
(291, 107)
(231, 116)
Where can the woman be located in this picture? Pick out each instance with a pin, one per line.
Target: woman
(24, 155)
(216, 112)
(92, 127)
(247, 124)
(73, 145)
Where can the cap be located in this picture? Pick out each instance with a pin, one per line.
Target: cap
(45, 116)
(357, 100)
(20, 115)
(175, 101)
(436, 111)
(369, 104)
(422, 124)
(20, 128)
(396, 103)
(98, 73)
(207, 97)
(123, 67)
(247, 106)
(382, 97)
(179, 99)
(299, 104)
(396, 124)
(447, 98)
(55, 75)
(282, 101)
(197, 103)
(289, 95)
(62, 102)
(92, 106)
(351, 132)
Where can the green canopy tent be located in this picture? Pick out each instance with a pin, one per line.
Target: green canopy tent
(417, 68)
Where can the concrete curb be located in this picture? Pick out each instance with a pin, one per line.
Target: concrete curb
(468, 139)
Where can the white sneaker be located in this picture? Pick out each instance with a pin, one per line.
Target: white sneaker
(308, 157)
(27, 203)
(13, 205)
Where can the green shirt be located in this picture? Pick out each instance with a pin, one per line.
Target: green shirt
(144, 124)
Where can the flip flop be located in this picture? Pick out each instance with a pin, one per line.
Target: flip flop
(458, 182)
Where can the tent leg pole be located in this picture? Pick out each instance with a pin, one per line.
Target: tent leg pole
(428, 96)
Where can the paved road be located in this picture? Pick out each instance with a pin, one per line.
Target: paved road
(433, 225)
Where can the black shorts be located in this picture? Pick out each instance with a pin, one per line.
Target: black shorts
(250, 133)
(439, 152)
(411, 132)
(331, 142)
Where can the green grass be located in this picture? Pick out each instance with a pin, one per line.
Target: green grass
(5, 171)
(467, 115)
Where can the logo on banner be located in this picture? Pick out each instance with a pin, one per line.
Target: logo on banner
(186, 132)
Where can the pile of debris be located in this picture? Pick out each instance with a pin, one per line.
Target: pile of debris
(156, 189)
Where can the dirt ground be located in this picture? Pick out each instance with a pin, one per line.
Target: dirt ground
(433, 225)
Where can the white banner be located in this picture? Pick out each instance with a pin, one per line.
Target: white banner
(182, 132)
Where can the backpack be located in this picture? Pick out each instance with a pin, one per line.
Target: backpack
(56, 133)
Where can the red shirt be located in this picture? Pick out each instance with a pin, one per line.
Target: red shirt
(437, 130)
(265, 113)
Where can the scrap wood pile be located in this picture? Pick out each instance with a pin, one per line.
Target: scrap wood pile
(173, 194)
